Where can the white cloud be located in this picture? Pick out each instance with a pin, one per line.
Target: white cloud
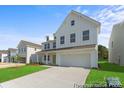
(85, 11)
(108, 16)
(79, 9)
(103, 38)
(119, 8)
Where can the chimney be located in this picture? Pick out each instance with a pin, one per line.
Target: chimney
(47, 38)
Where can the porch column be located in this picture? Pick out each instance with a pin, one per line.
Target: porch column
(37, 57)
(94, 59)
(27, 59)
(46, 58)
(58, 59)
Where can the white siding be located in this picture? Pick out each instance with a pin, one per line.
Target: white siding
(83, 57)
(51, 44)
(80, 25)
(20, 47)
(117, 51)
(79, 60)
(28, 54)
(31, 51)
(13, 53)
(4, 57)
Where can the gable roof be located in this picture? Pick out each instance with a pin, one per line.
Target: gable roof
(27, 43)
(85, 17)
(12, 49)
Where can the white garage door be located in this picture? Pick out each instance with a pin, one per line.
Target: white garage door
(80, 60)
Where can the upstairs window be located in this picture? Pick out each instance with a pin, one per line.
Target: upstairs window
(24, 49)
(72, 37)
(86, 35)
(54, 37)
(45, 46)
(48, 46)
(54, 44)
(21, 49)
(72, 23)
(62, 40)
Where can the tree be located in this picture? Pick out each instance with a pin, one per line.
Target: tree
(18, 58)
(102, 52)
(12, 59)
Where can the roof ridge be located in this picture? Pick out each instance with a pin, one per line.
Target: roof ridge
(85, 16)
(30, 43)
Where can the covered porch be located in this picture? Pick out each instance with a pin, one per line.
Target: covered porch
(48, 57)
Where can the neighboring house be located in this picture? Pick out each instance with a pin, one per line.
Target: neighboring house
(12, 52)
(3, 56)
(74, 44)
(27, 50)
(116, 44)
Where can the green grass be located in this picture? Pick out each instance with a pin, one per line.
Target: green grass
(105, 70)
(15, 72)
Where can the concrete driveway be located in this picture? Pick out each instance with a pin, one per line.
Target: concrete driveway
(54, 77)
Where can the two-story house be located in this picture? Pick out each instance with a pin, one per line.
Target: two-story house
(27, 50)
(3, 56)
(12, 52)
(116, 44)
(74, 44)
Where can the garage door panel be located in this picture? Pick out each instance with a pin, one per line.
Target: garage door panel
(81, 60)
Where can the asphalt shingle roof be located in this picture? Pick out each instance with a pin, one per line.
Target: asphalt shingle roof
(27, 43)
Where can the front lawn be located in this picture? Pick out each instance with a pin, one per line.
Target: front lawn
(98, 76)
(15, 72)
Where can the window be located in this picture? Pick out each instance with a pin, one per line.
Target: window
(54, 37)
(54, 44)
(48, 46)
(44, 57)
(86, 35)
(72, 37)
(48, 58)
(35, 49)
(19, 50)
(72, 22)
(62, 39)
(45, 46)
(24, 49)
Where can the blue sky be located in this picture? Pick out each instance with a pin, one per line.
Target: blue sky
(33, 23)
